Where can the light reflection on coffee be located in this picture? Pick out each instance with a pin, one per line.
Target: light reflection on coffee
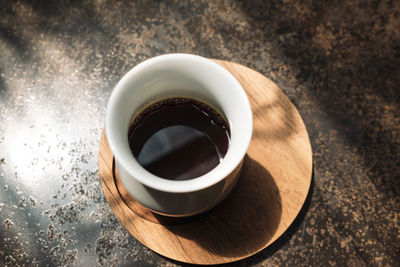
(179, 138)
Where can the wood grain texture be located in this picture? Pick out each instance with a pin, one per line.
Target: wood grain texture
(270, 192)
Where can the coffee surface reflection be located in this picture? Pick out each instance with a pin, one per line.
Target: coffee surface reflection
(179, 138)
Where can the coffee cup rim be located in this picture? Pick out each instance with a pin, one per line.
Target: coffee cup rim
(221, 171)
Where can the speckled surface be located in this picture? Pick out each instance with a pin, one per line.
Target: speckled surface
(339, 62)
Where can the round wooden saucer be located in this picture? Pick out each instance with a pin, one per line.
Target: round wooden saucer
(271, 190)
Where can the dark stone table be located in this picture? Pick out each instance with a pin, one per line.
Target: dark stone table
(338, 61)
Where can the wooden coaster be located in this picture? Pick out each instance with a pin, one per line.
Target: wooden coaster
(271, 190)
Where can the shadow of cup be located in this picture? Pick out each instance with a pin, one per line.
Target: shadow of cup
(245, 221)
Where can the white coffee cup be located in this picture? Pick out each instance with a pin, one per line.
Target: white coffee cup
(182, 75)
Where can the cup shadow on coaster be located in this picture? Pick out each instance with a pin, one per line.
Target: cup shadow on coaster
(249, 216)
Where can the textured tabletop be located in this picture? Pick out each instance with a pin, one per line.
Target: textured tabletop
(339, 63)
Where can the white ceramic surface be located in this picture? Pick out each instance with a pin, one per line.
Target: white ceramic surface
(178, 75)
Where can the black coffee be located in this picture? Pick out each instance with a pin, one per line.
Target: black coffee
(179, 138)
